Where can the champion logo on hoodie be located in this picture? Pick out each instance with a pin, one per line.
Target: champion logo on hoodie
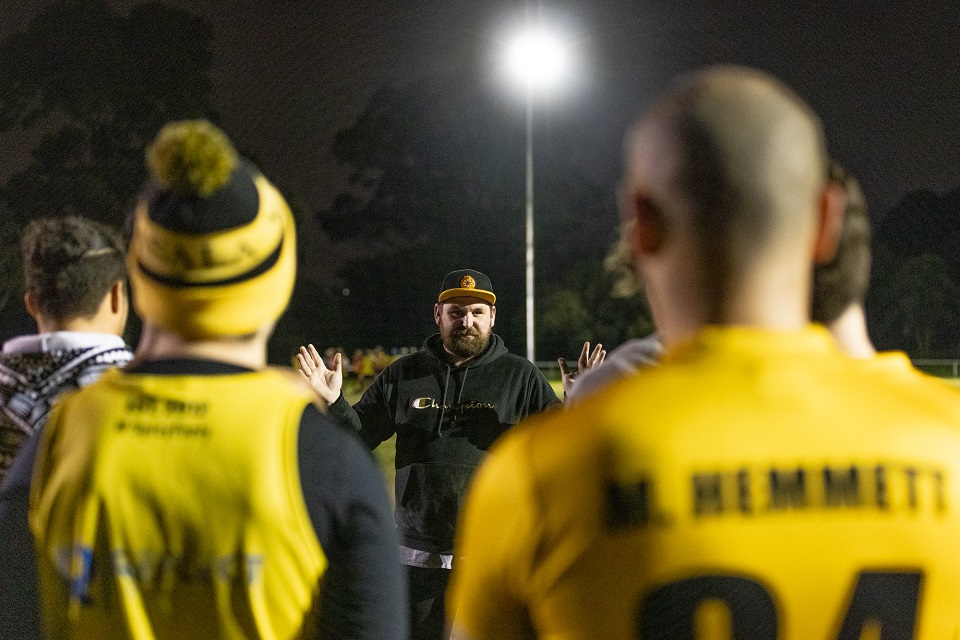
(430, 403)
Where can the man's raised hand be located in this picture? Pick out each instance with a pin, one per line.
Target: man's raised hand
(586, 362)
(327, 382)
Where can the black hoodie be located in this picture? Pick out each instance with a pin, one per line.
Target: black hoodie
(445, 418)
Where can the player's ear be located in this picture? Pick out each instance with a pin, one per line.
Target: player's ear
(117, 295)
(831, 205)
(31, 304)
(437, 309)
(493, 314)
(642, 221)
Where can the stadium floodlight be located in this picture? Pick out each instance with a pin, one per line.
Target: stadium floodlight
(538, 59)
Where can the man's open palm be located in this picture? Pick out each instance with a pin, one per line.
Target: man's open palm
(327, 382)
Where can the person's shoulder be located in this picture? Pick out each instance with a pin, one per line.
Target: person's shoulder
(897, 367)
(910, 385)
(625, 360)
(315, 420)
(90, 392)
(515, 361)
(323, 438)
(553, 436)
(638, 351)
(415, 361)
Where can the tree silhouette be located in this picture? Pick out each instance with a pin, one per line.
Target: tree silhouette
(97, 84)
(914, 301)
(92, 85)
(925, 307)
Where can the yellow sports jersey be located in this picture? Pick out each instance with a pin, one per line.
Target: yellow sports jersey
(170, 502)
(757, 485)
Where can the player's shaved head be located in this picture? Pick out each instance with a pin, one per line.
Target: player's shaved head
(726, 200)
(736, 158)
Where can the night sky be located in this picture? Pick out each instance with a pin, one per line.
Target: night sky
(288, 75)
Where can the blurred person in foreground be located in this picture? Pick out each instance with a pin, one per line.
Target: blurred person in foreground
(198, 493)
(628, 357)
(75, 279)
(758, 483)
(447, 404)
(840, 287)
(839, 290)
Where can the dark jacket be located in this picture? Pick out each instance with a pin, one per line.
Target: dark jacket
(445, 418)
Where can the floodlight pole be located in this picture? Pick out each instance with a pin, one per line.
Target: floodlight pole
(531, 344)
(536, 58)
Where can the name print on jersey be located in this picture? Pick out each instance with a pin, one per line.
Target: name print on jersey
(149, 415)
(892, 487)
(154, 569)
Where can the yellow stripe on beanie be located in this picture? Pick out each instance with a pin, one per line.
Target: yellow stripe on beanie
(228, 279)
(212, 257)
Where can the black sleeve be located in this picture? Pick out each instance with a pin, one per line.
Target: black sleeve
(542, 395)
(341, 411)
(370, 417)
(19, 589)
(363, 594)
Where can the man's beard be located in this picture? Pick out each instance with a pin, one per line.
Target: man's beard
(465, 343)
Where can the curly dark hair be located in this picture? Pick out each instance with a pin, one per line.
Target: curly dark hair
(844, 280)
(69, 265)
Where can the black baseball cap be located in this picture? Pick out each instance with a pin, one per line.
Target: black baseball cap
(467, 283)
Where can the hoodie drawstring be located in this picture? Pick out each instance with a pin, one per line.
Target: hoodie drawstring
(443, 402)
(463, 383)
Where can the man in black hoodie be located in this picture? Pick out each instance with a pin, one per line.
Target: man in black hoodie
(447, 404)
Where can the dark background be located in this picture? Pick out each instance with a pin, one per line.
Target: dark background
(399, 140)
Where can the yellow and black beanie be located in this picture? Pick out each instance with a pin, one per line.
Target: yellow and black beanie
(213, 249)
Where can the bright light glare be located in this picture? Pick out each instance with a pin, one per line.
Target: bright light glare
(537, 58)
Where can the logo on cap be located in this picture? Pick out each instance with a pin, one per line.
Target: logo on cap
(467, 282)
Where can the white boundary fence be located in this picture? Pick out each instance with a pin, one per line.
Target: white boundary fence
(944, 368)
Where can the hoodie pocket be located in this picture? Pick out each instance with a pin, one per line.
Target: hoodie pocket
(429, 497)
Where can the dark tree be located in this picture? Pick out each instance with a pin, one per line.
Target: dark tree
(914, 300)
(581, 309)
(92, 85)
(97, 84)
